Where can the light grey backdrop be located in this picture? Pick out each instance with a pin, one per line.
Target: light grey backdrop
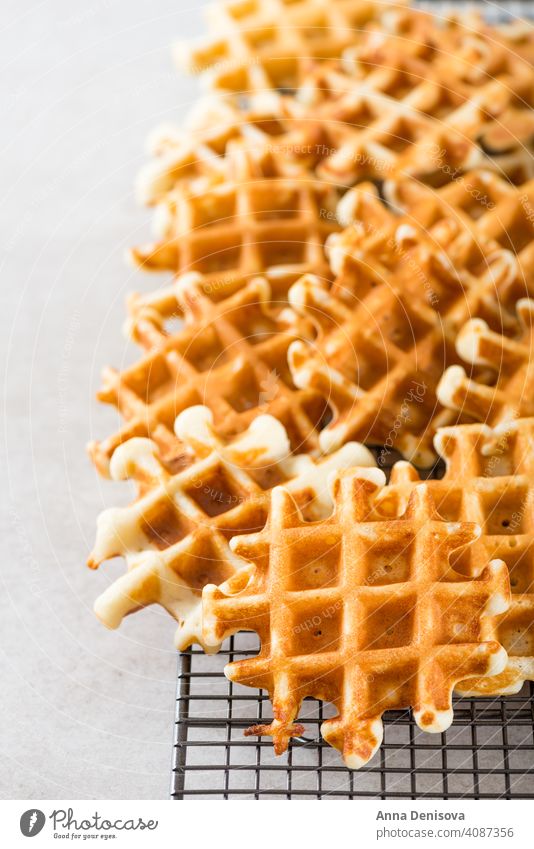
(85, 712)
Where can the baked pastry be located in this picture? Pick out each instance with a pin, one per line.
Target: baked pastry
(488, 480)
(350, 610)
(405, 285)
(230, 354)
(259, 218)
(509, 392)
(263, 46)
(175, 535)
(410, 97)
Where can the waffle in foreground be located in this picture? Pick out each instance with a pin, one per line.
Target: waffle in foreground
(489, 480)
(175, 536)
(367, 614)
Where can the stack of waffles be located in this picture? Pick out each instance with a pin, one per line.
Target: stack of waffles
(336, 447)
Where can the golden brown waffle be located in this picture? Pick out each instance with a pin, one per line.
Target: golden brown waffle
(387, 328)
(489, 480)
(416, 98)
(367, 614)
(230, 355)
(250, 188)
(465, 218)
(510, 392)
(256, 222)
(261, 46)
(211, 148)
(175, 536)
(428, 109)
(466, 213)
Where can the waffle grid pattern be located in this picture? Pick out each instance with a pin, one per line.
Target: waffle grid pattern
(230, 355)
(486, 754)
(265, 45)
(509, 396)
(218, 191)
(488, 482)
(470, 274)
(242, 227)
(175, 536)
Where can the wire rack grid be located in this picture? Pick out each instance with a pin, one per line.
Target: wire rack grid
(488, 753)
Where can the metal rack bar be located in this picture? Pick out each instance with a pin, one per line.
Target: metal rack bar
(486, 754)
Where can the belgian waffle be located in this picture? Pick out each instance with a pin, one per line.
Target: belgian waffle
(510, 394)
(175, 535)
(466, 213)
(488, 480)
(257, 221)
(425, 109)
(351, 611)
(209, 149)
(405, 286)
(262, 46)
(230, 354)
(413, 98)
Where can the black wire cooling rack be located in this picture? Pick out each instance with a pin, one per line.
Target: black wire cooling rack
(488, 753)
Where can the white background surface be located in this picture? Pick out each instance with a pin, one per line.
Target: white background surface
(86, 713)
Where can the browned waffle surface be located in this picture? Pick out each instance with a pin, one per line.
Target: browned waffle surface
(248, 225)
(231, 355)
(428, 110)
(405, 286)
(510, 392)
(260, 46)
(174, 537)
(362, 612)
(415, 97)
(251, 183)
(488, 480)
